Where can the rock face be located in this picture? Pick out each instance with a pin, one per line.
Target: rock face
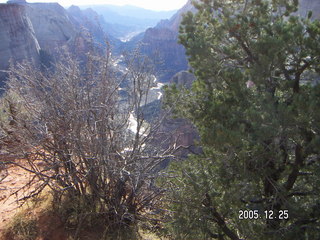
(174, 22)
(162, 42)
(17, 37)
(306, 5)
(86, 19)
(27, 29)
(52, 25)
(183, 78)
(56, 27)
(91, 22)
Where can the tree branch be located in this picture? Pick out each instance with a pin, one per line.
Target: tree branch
(219, 219)
(296, 167)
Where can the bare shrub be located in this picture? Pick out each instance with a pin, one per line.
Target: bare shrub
(21, 228)
(84, 140)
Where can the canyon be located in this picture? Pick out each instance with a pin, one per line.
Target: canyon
(27, 29)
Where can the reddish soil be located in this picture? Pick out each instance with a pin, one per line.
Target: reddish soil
(11, 190)
(15, 179)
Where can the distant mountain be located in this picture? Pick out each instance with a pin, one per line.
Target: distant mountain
(174, 22)
(124, 22)
(90, 21)
(161, 41)
(129, 12)
(34, 31)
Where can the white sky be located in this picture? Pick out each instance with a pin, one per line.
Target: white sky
(148, 4)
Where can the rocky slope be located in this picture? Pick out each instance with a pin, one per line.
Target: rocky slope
(124, 22)
(174, 22)
(162, 42)
(17, 37)
(29, 28)
(53, 27)
(90, 21)
(26, 30)
(56, 27)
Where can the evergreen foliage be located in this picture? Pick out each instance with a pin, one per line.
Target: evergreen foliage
(255, 104)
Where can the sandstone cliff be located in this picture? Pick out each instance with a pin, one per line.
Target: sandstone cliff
(17, 37)
(162, 42)
(56, 27)
(52, 25)
(174, 22)
(91, 22)
(25, 28)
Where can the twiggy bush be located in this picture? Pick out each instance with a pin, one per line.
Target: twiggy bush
(73, 121)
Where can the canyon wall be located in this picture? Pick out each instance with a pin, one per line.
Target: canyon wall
(17, 37)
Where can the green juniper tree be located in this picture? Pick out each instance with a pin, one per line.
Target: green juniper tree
(256, 105)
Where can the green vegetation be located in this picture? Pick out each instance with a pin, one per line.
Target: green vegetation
(255, 104)
(22, 228)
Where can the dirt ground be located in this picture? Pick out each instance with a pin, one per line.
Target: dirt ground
(14, 178)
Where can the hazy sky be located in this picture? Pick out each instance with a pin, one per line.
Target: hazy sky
(149, 4)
